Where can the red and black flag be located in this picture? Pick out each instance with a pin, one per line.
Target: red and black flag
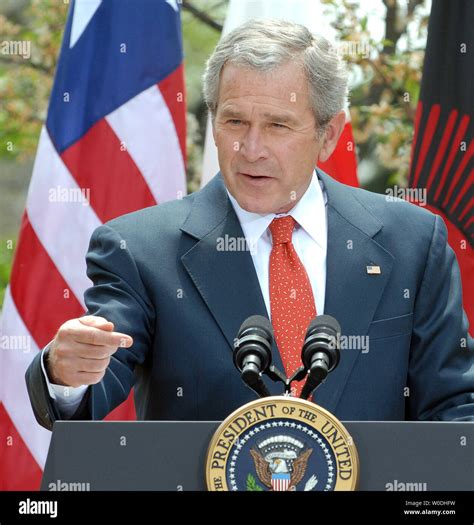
(443, 145)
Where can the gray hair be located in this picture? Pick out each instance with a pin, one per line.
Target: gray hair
(266, 44)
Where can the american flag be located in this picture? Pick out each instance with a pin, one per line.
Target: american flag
(114, 142)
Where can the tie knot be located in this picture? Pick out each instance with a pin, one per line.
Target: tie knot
(282, 229)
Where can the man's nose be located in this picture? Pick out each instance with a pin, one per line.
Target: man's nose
(252, 146)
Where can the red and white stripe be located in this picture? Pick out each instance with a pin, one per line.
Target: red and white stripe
(133, 158)
(280, 484)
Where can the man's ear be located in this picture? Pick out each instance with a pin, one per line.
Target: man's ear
(331, 135)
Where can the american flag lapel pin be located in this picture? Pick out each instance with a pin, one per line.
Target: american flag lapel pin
(374, 270)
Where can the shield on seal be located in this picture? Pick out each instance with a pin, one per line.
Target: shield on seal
(281, 481)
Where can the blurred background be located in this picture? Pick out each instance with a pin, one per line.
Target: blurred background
(385, 85)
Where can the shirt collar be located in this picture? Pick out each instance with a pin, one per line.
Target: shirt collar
(309, 212)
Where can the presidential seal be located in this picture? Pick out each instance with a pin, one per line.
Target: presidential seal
(281, 443)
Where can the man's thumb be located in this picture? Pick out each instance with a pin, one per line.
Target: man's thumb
(97, 322)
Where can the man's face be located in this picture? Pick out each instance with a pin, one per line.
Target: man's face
(266, 136)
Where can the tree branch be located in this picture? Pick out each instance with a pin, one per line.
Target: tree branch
(412, 5)
(392, 32)
(201, 15)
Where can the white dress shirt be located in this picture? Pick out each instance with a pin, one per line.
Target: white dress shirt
(310, 243)
(309, 239)
(67, 398)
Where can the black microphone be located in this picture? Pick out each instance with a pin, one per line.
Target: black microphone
(253, 352)
(320, 354)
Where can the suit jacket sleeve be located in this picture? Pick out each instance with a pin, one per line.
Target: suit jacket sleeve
(441, 369)
(120, 296)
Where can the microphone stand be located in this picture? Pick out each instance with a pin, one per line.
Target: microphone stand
(279, 377)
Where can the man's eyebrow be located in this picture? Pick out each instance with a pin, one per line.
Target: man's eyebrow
(273, 117)
(279, 117)
(232, 113)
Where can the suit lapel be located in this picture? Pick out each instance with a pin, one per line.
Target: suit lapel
(225, 278)
(352, 294)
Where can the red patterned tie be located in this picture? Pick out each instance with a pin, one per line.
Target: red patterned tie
(291, 297)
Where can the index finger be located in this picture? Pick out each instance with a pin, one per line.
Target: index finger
(98, 337)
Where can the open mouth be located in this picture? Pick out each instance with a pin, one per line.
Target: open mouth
(254, 177)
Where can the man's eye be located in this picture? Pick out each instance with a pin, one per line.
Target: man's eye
(234, 121)
(277, 125)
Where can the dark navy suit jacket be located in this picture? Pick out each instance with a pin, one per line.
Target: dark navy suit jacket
(159, 276)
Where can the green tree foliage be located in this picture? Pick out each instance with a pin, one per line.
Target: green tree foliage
(25, 83)
(383, 105)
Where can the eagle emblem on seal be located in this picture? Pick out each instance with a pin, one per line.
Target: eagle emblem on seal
(281, 462)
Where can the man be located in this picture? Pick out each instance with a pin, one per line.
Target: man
(171, 289)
